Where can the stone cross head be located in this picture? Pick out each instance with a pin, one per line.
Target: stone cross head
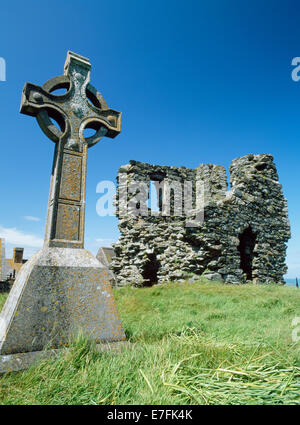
(79, 108)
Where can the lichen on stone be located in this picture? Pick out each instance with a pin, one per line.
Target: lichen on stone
(242, 238)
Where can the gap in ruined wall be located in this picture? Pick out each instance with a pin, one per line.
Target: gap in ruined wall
(246, 250)
(227, 178)
(150, 270)
(154, 199)
(155, 192)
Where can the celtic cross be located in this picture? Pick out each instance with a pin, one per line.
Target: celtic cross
(80, 107)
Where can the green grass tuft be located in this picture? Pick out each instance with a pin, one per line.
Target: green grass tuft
(200, 343)
(2, 300)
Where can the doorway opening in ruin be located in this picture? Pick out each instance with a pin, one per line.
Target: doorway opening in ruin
(246, 248)
(150, 270)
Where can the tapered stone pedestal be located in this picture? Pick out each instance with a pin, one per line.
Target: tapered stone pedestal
(59, 292)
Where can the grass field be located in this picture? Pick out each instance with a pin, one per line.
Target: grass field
(200, 343)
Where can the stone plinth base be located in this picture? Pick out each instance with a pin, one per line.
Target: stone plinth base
(57, 293)
(17, 362)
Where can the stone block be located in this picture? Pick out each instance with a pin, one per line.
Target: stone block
(57, 293)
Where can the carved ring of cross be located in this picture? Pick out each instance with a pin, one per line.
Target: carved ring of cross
(94, 98)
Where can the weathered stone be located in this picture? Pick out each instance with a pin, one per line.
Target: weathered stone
(193, 279)
(105, 255)
(243, 236)
(214, 276)
(63, 289)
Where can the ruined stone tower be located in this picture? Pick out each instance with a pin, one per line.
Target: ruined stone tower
(242, 237)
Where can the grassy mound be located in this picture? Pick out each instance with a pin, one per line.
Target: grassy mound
(200, 343)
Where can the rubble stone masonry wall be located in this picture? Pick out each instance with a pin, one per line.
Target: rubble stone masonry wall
(242, 238)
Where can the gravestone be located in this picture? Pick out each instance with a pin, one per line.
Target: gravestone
(63, 288)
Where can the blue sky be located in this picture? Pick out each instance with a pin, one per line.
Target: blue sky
(196, 81)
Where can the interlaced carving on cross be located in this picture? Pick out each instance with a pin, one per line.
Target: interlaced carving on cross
(80, 107)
